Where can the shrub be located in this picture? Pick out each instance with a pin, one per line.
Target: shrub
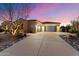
(19, 35)
(62, 28)
(72, 31)
(67, 28)
(1, 40)
(1, 30)
(75, 24)
(77, 34)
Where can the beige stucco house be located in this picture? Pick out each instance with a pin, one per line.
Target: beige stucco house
(33, 26)
(37, 26)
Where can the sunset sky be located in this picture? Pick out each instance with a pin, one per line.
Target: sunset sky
(55, 12)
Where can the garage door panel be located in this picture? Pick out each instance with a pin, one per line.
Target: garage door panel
(50, 28)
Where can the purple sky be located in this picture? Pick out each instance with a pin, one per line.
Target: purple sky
(63, 13)
(58, 12)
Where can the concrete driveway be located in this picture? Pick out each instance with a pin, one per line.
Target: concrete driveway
(41, 44)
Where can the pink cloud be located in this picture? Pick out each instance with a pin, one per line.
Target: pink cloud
(43, 8)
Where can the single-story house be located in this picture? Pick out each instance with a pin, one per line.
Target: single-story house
(33, 26)
(37, 26)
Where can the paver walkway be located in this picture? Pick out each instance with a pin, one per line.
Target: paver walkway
(41, 44)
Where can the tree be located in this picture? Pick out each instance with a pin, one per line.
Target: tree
(67, 28)
(10, 11)
(19, 26)
(62, 28)
(6, 25)
(26, 8)
(75, 25)
(13, 26)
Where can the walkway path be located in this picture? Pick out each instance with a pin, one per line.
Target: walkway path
(43, 43)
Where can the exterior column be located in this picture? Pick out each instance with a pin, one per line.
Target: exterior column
(42, 28)
(58, 27)
(36, 28)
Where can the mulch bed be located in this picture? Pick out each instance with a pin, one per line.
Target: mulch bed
(73, 41)
(8, 41)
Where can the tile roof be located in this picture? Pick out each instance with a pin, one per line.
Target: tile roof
(50, 22)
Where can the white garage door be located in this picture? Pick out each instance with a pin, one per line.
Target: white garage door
(51, 28)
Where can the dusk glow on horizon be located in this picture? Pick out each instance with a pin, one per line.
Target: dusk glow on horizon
(54, 12)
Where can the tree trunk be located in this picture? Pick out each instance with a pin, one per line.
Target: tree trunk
(14, 31)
